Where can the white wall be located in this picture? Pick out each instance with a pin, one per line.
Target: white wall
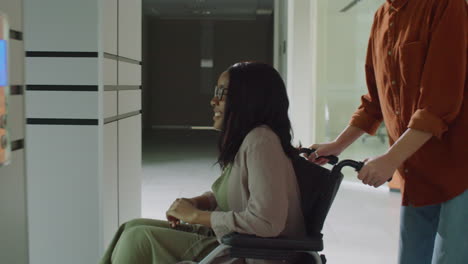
(63, 193)
(121, 67)
(61, 25)
(301, 75)
(84, 87)
(62, 130)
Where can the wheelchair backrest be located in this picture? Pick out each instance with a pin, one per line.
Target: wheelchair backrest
(318, 187)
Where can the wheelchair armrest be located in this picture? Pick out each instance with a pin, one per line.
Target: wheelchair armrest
(237, 240)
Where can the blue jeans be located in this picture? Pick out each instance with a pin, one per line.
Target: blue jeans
(435, 234)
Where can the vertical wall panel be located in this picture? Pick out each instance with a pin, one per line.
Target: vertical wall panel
(13, 238)
(75, 203)
(58, 25)
(129, 101)
(62, 104)
(13, 207)
(110, 183)
(110, 72)
(16, 117)
(129, 168)
(110, 26)
(16, 62)
(130, 29)
(63, 192)
(13, 8)
(62, 71)
(129, 74)
(110, 105)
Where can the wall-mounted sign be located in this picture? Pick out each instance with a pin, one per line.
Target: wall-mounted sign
(5, 146)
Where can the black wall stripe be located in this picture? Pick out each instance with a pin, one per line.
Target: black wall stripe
(127, 60)
(111, 88)
(123, 116)
(66, 54)
(110, 56)
(79, 88)
(128, 87)
(124, 59)
(122, 87)
(62, 121)
(17, 144)
(16, 35)
(16, 89)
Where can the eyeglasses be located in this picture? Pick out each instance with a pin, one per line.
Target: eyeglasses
(220, 91)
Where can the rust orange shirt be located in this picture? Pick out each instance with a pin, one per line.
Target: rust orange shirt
(416, 73)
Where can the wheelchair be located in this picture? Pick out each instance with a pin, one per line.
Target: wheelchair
(318, 187)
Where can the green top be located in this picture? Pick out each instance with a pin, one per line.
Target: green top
(220, 189)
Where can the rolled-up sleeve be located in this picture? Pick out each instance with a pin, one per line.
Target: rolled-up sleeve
(369, 114)
(444, 75)
(267, 207)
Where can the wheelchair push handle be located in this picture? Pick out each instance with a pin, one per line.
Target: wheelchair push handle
(357, 165)
(331, 159)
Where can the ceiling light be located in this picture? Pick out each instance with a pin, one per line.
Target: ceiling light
(261, 12)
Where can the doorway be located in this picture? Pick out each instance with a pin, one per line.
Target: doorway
(186, 45)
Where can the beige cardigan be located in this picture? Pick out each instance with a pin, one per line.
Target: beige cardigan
(263, 193)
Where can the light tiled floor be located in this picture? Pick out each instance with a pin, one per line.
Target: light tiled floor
(362, 226)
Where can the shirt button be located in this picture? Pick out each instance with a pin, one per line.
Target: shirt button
(393, 82)
(406, 170)
(391, 24)
(397, 112)
(390, 53)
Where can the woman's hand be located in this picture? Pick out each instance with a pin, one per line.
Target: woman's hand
(182, 209)
(326, 149)
(378, 170)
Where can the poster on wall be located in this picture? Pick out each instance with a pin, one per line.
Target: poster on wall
(5, 146)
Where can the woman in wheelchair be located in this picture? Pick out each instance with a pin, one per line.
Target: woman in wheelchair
(257, 192)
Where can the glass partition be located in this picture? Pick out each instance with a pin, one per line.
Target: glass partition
(343, 34)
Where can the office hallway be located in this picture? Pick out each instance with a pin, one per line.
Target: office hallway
(362, 226)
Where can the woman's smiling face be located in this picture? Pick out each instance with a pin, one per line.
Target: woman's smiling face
(219, 99)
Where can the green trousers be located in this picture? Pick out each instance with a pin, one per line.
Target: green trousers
(149, 241)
